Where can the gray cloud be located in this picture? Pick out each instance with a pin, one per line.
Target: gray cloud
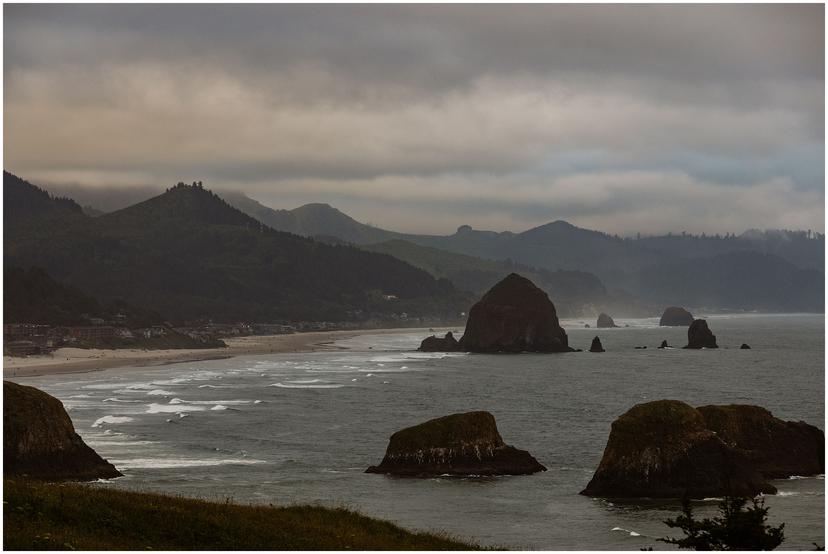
(404, 113)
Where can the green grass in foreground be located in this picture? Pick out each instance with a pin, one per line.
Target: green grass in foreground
(42, 516)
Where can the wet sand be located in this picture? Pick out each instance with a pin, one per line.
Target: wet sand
(80, 360)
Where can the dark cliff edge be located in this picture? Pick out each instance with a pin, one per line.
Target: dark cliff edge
(459, 444)
(40, 442)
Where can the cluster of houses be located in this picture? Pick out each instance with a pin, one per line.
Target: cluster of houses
(28, 339)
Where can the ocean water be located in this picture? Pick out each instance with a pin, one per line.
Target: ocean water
(302, 428)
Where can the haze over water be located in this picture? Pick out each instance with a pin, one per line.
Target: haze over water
(302, 428)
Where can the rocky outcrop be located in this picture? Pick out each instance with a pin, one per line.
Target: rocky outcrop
(458, 444)
(514, 316)
(744, 347)
(675, 316)
(664, 344)
(778, 448)
(664, 449)
(596, 345)
(605, 322)
(699, 335)
(39, 440)
(436, 344)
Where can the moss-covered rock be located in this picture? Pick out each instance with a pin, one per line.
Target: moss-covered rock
(458, 444)
(778, 448)
(39, 440)
(663, 449)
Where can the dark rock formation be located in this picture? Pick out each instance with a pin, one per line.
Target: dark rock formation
(663, 449)
(744, 347)
(39, 440)
(641, 348)
(699, 335)
(675, 317)
(459, 444)
(778, 448)
(596, 345)
(514, 316)
(664, 344)
(605, 322)
(586, 326)
(435, 344)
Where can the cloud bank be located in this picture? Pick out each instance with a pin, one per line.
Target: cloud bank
(420, 118)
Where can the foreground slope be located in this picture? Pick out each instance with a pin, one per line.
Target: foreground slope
(75, 517)
(189, 255)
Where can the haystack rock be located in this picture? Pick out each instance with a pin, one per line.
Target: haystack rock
(39, 440)
(436, 344)
(663, 449)
(596, 345)
(605, 322)
(675, 317)
(744, 347)
(458, 444)
(664, 344)
(778, 448)
(514, 316)
(699, 335)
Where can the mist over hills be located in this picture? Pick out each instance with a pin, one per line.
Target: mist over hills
(772, 270)
(189, 255)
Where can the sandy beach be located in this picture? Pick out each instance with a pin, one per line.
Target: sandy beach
(80, 360)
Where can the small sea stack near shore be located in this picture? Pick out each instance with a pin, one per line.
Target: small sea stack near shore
(513, 316)
(675, 316)
(605, 322)
(40, 442)
(459, 444)
(700, 336)
(437, 344)
(596, 345)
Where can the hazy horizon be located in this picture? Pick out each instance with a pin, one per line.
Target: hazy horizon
(622, 119)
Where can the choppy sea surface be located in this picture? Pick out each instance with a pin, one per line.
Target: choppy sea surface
(302, 428)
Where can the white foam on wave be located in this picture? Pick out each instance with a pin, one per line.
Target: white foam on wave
(787, 493)
(210, 402)
(174, 409)
(218, 407)
(111, 419)
(159, 392)
(796, 477)
(295, 386)
(171, 463)
(113, 399)
(257, 401)
(632, 533)
(303, 381)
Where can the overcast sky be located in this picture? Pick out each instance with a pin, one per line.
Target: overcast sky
(421, 118)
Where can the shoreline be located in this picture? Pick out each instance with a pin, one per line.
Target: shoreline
(80, 360)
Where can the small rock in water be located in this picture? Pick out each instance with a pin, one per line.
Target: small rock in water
(744, 346)
(641, 348)
(596, 345)
(664, 344)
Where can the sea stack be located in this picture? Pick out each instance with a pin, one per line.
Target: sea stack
(514, 316)
(664, 344)
(436, 344)
(596, 345)
(458, 444)
(744, 347)
(699, 335)
(663, 449)
(605, 322)
(40, 442)
(675, 316)
(778, 448)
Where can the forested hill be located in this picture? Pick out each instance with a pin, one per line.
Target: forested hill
(311, 220)
(23, 202)
(189, 255)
